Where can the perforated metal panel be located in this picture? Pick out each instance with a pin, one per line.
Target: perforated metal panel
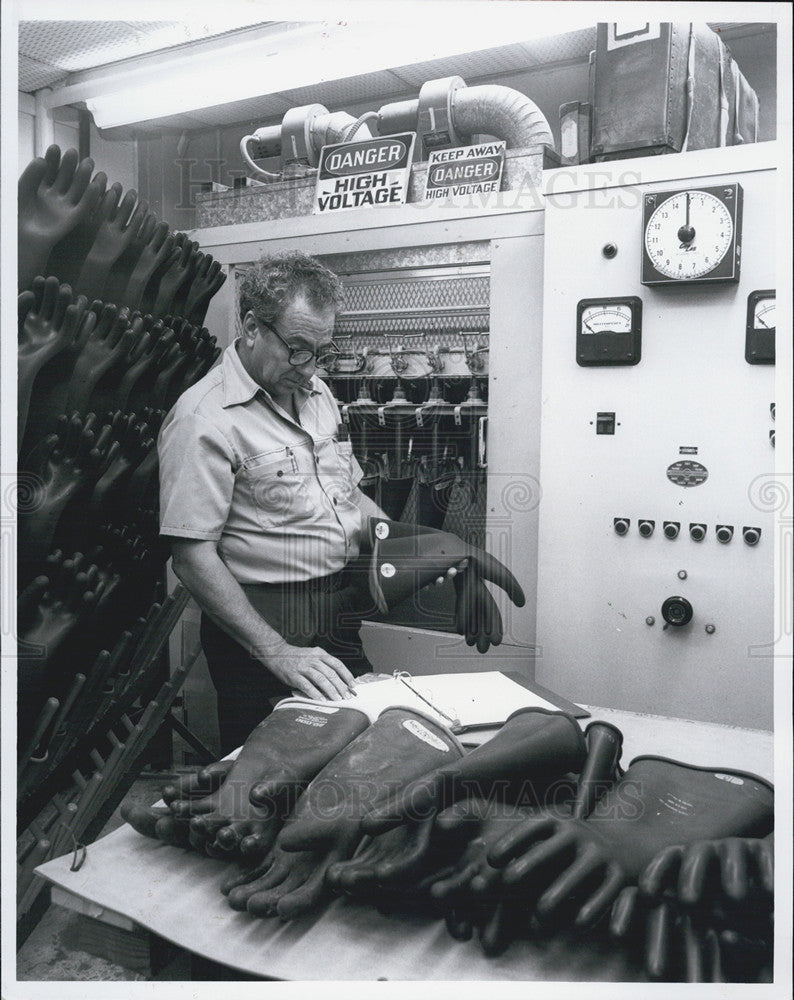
(336, 94)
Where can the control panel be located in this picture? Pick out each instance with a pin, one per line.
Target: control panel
(656, 535)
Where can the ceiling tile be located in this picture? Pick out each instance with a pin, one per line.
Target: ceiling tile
(337, 94)
(33, 75)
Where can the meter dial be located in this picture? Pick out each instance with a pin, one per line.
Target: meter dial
(764, 313)
(613, 318)
(609, 331)
(692, 235)
(759, 343)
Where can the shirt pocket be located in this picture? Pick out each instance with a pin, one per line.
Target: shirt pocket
(277, 488)
(337, 464)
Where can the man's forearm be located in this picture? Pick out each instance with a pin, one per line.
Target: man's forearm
(220, 596)
(367, 507)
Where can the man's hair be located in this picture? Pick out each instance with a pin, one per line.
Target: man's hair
(270, 284)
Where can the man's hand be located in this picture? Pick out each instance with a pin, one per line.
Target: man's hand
(310, 670)
(452, 572)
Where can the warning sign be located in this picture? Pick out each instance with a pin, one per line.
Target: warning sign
(464, 171)
(364, 174)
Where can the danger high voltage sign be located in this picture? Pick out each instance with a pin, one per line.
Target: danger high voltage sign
(464, 170)
(364, 174)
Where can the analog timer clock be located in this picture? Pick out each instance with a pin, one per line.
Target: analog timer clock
(693, 236)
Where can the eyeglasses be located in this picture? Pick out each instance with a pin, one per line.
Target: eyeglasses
(301, 355)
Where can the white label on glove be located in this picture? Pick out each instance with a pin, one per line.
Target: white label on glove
(734, 779)
(381, 530)
(387, 570)
(312, 720)
(425, 735)
(676, 804)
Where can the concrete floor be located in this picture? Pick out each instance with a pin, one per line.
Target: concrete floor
(52, 951)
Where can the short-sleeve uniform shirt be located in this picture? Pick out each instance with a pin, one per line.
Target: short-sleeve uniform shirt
(274, 492)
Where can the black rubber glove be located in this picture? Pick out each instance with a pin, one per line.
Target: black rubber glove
(279, 758)
(325, 826)
(407, 557)
(159, 822)
(733, 870)
(535, 745)
(581, 866)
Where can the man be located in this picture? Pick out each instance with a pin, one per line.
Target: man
(259, 495)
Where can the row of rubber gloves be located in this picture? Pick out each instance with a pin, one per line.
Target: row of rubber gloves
(538, 827)
(106, 244)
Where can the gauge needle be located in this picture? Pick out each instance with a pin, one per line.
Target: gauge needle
(587, 326)
(686, 233)
(762, 322)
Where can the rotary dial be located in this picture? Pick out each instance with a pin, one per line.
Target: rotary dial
(688, 235)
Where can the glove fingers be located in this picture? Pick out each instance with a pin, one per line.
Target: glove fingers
(624, 914)
(459, 924)
(142, 820)
(602, 899)
(409, 861)
(245, 875)
(351, 876)
(517, 840)
(697, 865)
(259, 839)
(263, 902)
(569, 883)
(185, 808)
(764, 856)
(658, 940)
(555, 852)
(495, 934)
(172, 832)
(199, 783)
(661, 872)
(491, 569)
(306, 898)
(453, 884)
(734, 868)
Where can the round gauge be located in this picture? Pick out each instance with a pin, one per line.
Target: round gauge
(692, 235)
(689, 234)
(764, 313)
(612, 318)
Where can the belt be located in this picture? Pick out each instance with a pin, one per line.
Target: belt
(320, 584)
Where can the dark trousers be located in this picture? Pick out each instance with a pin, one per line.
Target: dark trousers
(325, 612)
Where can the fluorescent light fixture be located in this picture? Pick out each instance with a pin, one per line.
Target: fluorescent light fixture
(274, 58)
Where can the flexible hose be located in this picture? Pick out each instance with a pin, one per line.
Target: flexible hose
(265, 174)
(338, 127)
(501, 112)
(351, 130)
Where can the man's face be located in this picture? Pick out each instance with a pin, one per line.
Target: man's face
(302, 326)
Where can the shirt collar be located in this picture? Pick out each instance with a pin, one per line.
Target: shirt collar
(239, 387)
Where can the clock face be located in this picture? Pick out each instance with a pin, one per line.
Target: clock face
(688, 235)
(693, 236)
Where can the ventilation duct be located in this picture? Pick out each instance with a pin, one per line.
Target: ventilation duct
(448, 113)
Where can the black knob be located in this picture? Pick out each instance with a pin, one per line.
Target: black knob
(724, 533)
(677, 611)
(697, 532)
(621, 525)
(646, 528)
(751, 535)
(671, 529)
(609, 250)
